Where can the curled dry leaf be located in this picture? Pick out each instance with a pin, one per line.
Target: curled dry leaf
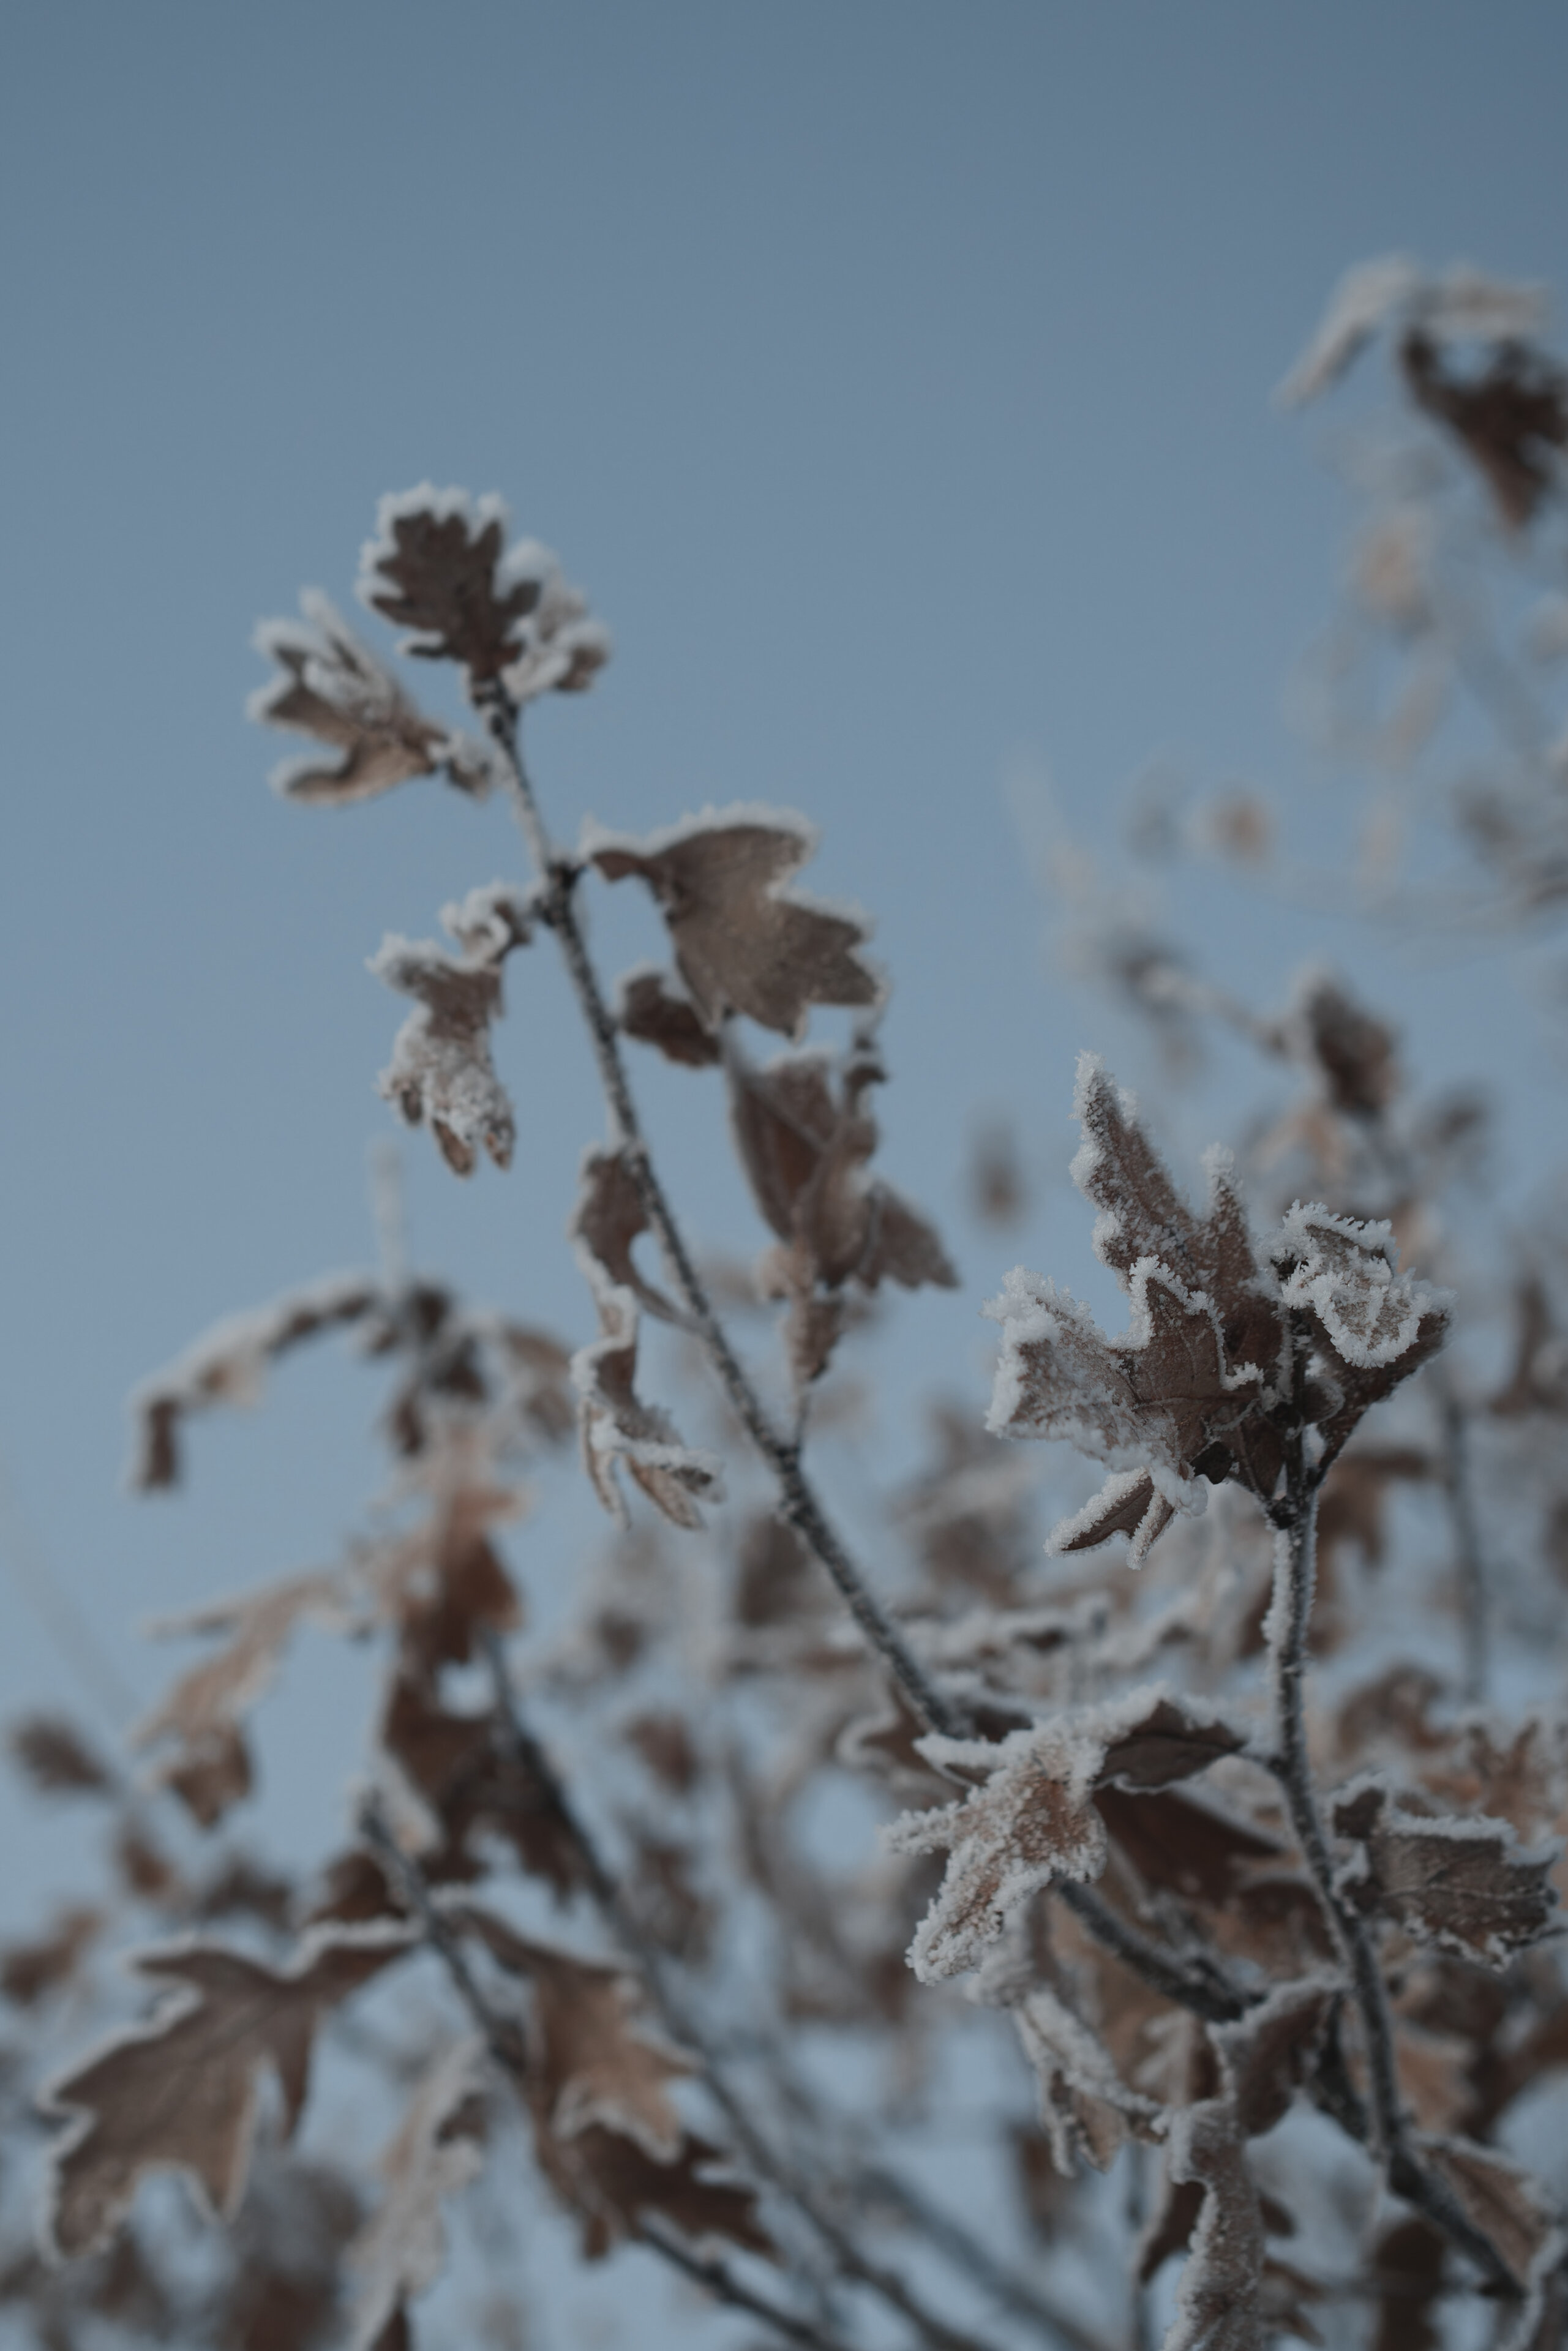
(590, 2060)
(805, 1143)
(440, 1069)
(743, 942)
(1456, 1881)
(617, 1427)
(228, 1363)
(210, 1769)
(655, 1013)
(1197, 1388)
(333, 687)
(439, 566)
(180, 2091)
(1033, 1820)
(468, 1782)
(436, 2152)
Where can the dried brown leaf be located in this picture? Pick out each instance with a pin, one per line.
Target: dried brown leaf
(1502, 2200)
(180, 2091)
(650, 1009)
(227, 1365)
(1459, 1881)
(55, 1758)
(744, 943)
(436, 2152)
(439, 566)
(465, 1771)
(618, 1429)
(440, 1070)
(1033, 1819)
(333, 687)
(210, 1770)
(30, 1971)
(1511, 419)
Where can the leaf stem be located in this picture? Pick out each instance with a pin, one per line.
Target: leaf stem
(799, 1504)
(1289, 1619)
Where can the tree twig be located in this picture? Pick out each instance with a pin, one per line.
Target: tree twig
(507, 2047)
(1388, 2135)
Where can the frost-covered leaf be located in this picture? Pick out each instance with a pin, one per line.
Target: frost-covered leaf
(1456, 1880)
(617, 1427)
(1460, 306)
(590, 2061)
(468, 1783)
(227, 1364)
(614, 2186)
(563, 646)
(1503, 2201)
(333, 687)
(439, 566)
(440, 1069)
(436, 2152)
(744, 943)
(210, 1769)
(1341, 1273)
(180, 2091)
(1033, 1819)
(805, 1138)
(1219, 2293)
(649, 1009)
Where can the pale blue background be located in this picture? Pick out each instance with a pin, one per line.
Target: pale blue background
(896, 376)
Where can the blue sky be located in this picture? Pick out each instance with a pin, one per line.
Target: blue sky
(896, 376)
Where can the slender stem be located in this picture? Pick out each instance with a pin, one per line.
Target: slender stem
(1389, 2135)
(682, 2025)
(1458, 1488)
(505, 2043)
(797, 1499)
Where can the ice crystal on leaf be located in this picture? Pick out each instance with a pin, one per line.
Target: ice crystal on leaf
(440, 567)
(1033, 1820)
(333, 687)
(1199, 1387)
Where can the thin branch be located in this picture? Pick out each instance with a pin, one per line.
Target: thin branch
(1458, 1488)
(505, 2046)
(683, 2027)
(1388, 2135)
(797, 1499)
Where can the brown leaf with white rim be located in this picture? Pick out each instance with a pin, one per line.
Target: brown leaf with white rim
(618, 1429)
(1033, 1820)
(1458, 1880)
(591, 2060)
(180, 2091)
(648, 1009)
(334, 688)
(209, 1770)
(434, 2153)
(744, 943)
(1502, 2200)
(441, 1070)
(439, 566)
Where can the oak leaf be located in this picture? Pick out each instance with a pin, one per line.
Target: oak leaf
(743, 942)
(1033, 1821)
(333, 687)
(440, 1070)
(210, 1769)
(436, 2151)
(179, 2092)
(228, 1363)
(1503, 2201)
(468, 1781)
(648, 1009)
(618, 1429)
(1456, 1880)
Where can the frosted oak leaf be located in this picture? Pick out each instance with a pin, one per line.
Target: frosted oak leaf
(1200, 1385)
(743, 941)
(334, 688)
(618, 1429)
(441, 1070)
(1458, 1880)
(179, 2092)
(1033, 1821)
